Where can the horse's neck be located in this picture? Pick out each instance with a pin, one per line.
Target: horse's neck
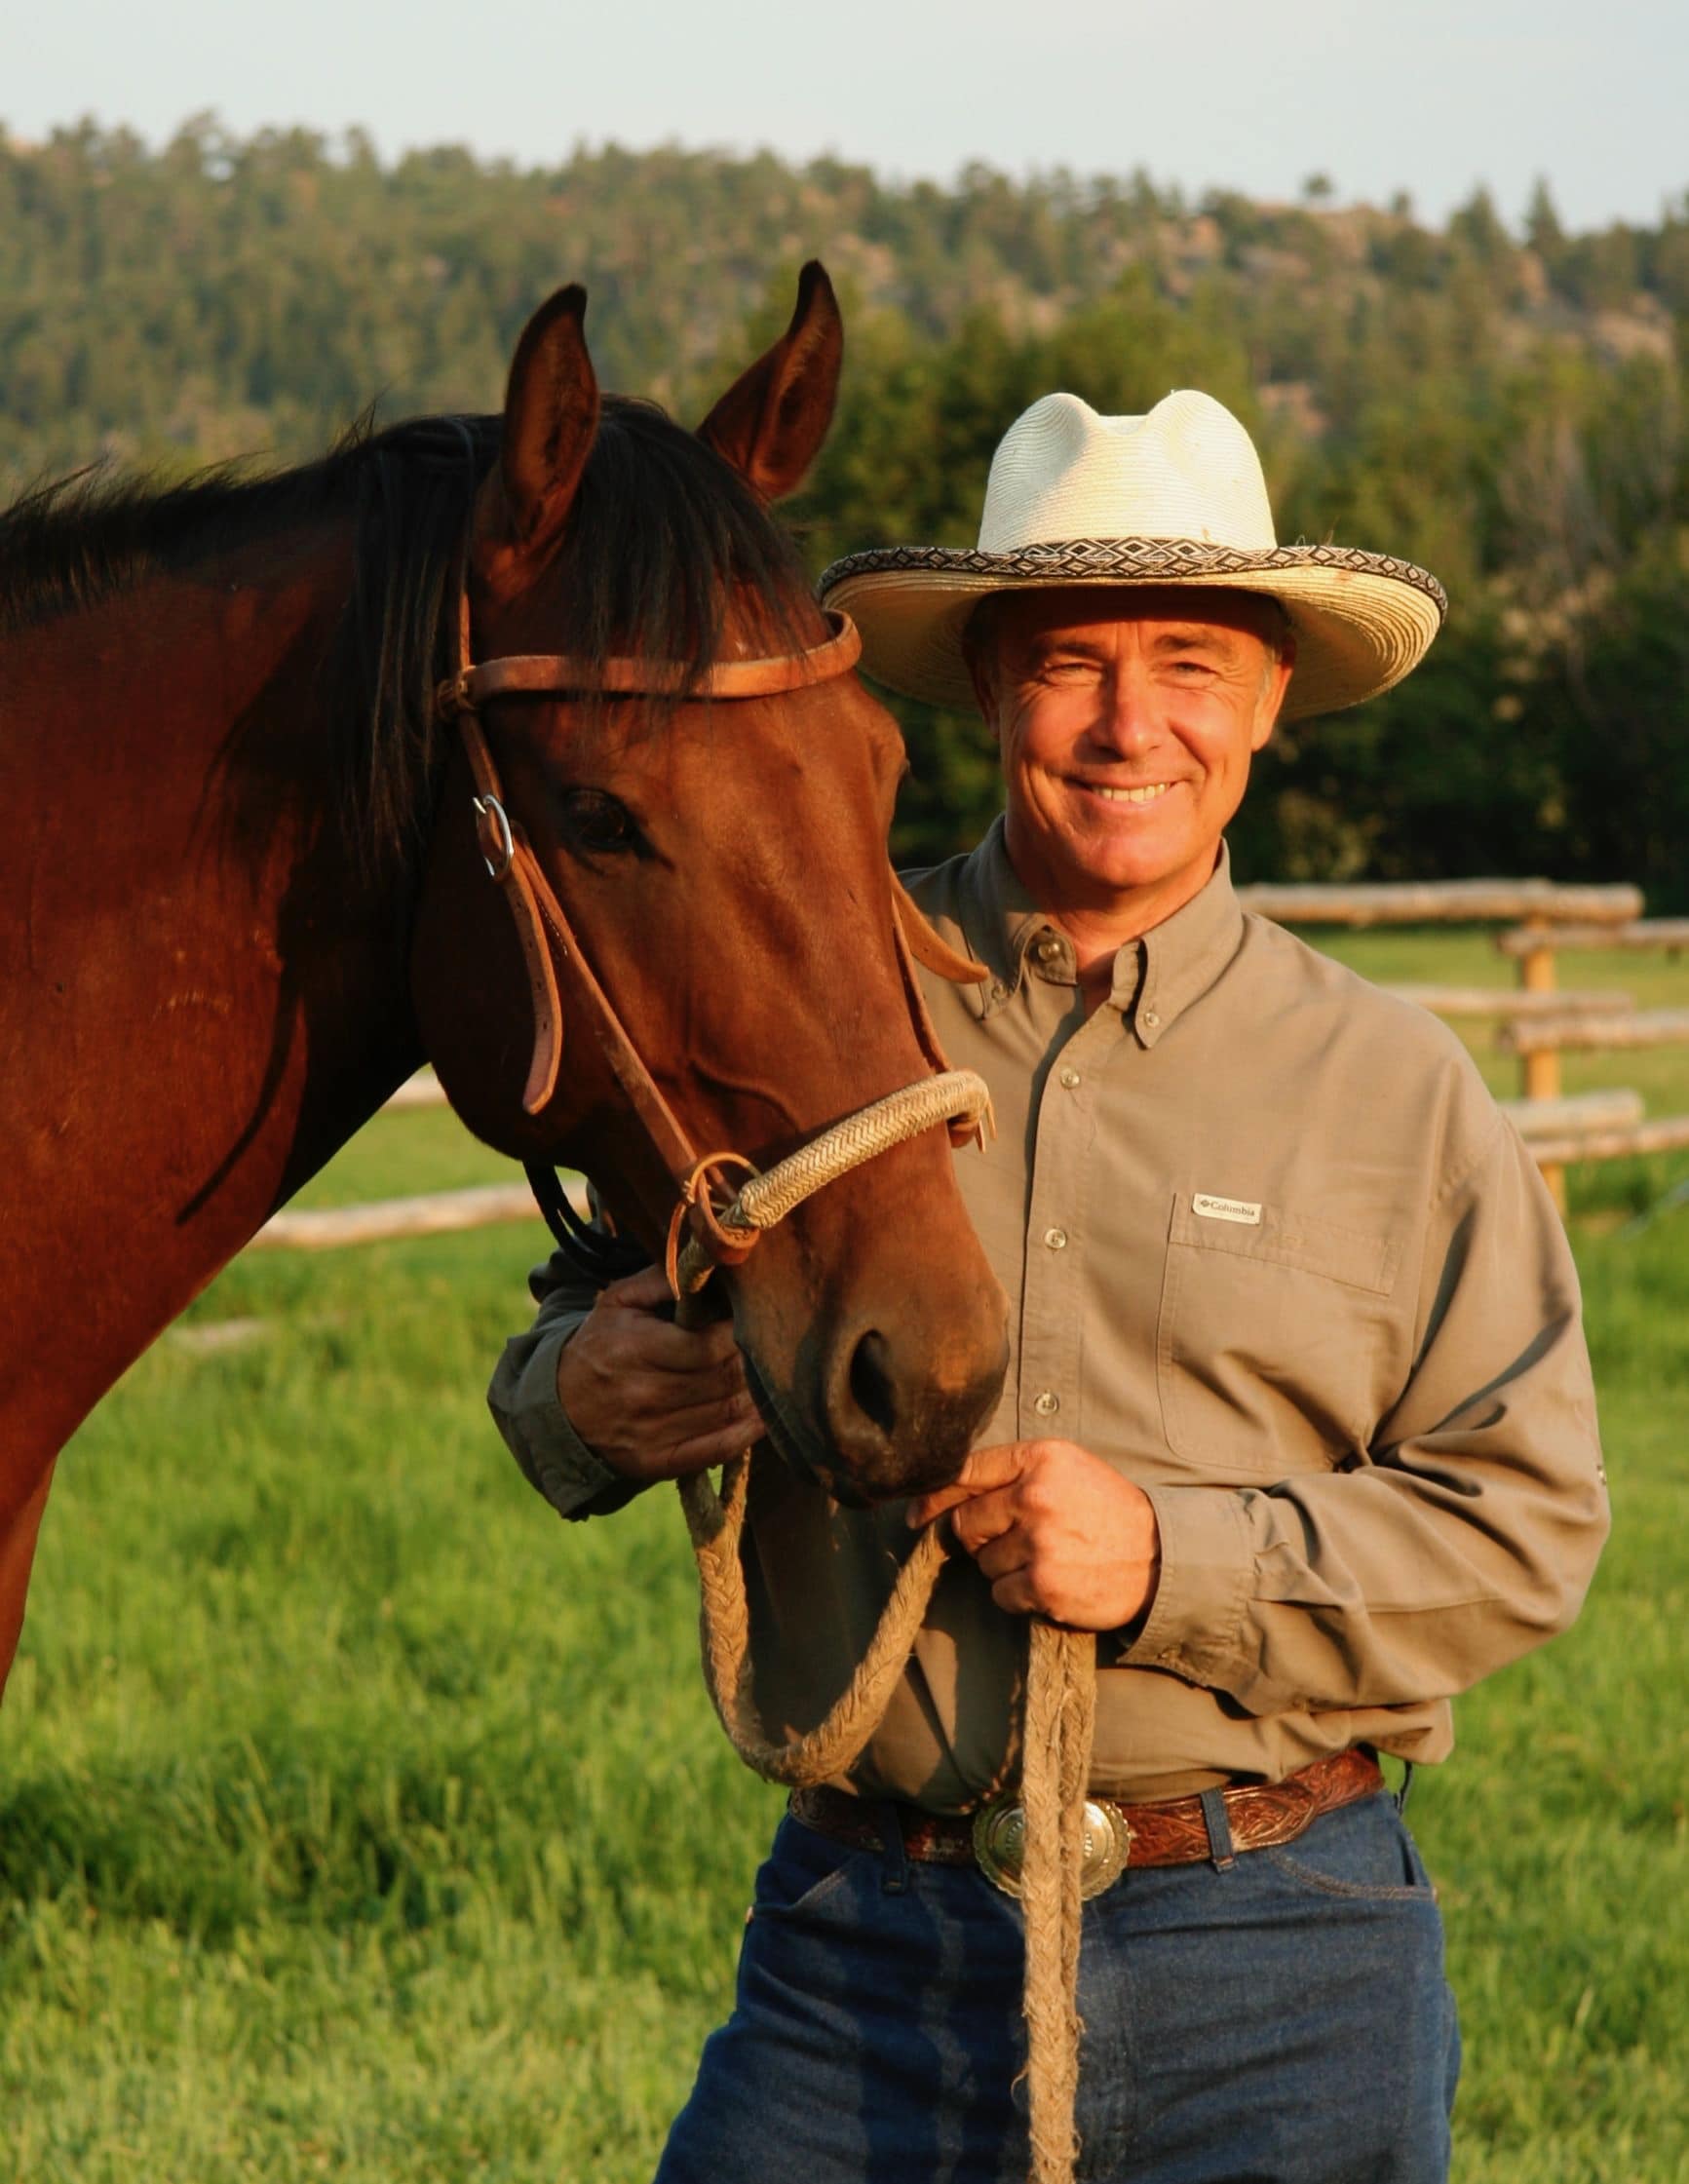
(200, 998)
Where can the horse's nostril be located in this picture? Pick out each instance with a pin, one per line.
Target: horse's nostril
(871, 1383)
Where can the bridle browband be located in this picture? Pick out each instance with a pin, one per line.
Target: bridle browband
(562, 987)
(547, 674)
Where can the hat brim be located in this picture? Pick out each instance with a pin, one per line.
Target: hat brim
(1362, 620)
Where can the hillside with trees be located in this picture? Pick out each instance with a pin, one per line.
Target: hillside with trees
(1506, 408)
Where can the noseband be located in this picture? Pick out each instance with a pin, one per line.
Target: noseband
(704, 1229)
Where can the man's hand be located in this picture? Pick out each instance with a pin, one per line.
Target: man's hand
(1058, 1531)
(652, 1400)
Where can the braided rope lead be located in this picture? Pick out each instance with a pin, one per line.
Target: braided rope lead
(958, 1096)
(1061, 1704)
(1060, 1723)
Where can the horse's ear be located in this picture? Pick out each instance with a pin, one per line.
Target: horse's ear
(771, 422)
(551, 418)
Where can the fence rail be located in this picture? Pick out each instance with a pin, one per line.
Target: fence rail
(1669, 934)
(1579, 1115)
(1506, 1002)
(1442, 903)
(439, 1213)
(1669, 1133)
(424, 1090)
(327, 1228)
(1589, 1034)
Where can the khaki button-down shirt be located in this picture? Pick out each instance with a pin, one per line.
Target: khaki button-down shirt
(1271, 1251)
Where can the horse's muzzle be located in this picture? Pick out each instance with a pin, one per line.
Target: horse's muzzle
(881, 1413)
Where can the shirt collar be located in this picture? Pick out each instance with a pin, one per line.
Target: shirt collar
(1156, 979)
(1003, 924)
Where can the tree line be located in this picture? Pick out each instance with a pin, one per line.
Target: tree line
(1506, 408)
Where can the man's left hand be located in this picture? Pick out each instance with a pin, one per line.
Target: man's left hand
(1058, 1532)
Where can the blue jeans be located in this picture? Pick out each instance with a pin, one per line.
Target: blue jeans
(1280, 2019)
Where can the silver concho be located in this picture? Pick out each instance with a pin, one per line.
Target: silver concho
(1000, 1844)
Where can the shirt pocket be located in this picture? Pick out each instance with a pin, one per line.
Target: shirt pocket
(1272, 1335)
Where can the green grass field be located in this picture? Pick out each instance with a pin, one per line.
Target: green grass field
(360, 1820)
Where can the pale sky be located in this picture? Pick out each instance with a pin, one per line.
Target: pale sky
(1431, 95)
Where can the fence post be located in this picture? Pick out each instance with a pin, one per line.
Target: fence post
(1540, 1072)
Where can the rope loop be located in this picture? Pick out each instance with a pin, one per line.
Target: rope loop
(954, 1096)
(721, 1245)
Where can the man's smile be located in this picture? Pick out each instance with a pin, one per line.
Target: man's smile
(1137, 792)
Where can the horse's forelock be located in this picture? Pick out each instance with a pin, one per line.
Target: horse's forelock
(667, 551)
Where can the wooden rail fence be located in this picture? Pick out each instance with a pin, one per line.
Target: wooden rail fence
(1536, 1018)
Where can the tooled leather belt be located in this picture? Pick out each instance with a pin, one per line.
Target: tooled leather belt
(1174, 1833)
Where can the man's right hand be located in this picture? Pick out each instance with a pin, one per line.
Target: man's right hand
(651, 1400)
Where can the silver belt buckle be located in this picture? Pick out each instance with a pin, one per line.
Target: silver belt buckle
(1000, 1844)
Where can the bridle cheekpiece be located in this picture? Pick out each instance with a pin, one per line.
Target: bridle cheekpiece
(709, 1226)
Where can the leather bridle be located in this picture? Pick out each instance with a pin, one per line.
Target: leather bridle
(561, 984)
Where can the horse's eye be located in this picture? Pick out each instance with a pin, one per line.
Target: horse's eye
(598, 825)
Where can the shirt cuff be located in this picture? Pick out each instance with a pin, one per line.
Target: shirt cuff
(1201, 1597)
(553, 1456)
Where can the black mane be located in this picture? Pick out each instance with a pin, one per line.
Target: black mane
(662, 528)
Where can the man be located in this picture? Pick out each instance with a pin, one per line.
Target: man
(1298, 1419)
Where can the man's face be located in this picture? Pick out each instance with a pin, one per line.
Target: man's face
(1127, 721)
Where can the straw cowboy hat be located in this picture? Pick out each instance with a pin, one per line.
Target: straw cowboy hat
(1175, 497)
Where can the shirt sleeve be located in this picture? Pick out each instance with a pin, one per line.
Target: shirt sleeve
(524, 1399)
(1469, 1530)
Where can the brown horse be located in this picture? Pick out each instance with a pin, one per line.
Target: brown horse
(244, 893)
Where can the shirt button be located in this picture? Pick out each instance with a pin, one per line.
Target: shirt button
(1057, 1239)
(1070, 1079)
(1046, 1403)
(999, 991)
(1150, 1019)
(1049, 948)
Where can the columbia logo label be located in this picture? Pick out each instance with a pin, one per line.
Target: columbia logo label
(1226, 1209)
